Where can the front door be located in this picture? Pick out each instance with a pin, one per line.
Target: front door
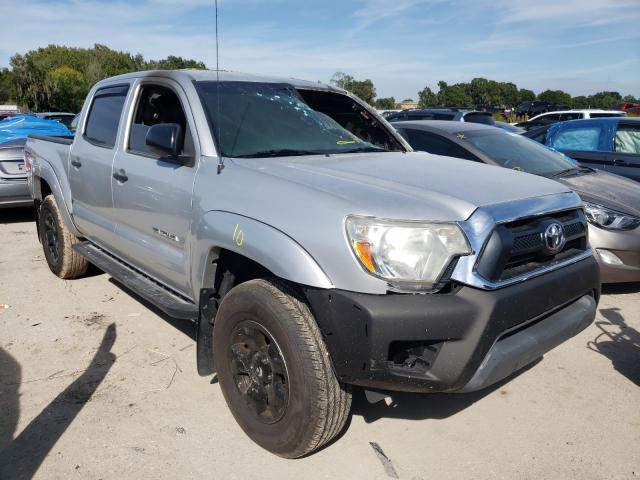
(151, 194)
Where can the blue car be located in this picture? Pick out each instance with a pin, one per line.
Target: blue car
(609, 144)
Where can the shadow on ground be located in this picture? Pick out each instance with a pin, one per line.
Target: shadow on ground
(16, 215)
(21, 457)
(412, 406)
(618, 342)
(187, 327)
(620, 288)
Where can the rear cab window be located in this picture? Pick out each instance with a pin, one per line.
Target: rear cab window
(585, 138)
(432, 143)
(104, 116)
(627, 139)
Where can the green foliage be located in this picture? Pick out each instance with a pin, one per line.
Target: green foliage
(453, 95)
(630, 98)
(7, 86)
(58, 78)
(175, 63)
(525, 95)
(388, 103)
(364, 89)
(557, 97)
(426, 98)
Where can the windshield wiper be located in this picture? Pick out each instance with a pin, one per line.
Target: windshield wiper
(281, 152)
(364, 149)
(571, 171)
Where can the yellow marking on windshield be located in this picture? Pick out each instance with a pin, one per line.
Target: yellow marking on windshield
(345, 142)
(460, 136)
(518, 169)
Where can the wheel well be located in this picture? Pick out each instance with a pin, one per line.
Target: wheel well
(226, 269)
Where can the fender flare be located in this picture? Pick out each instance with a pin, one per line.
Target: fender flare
(257, 241)
(45, 172)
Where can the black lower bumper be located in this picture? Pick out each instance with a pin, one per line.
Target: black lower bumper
(460, 341)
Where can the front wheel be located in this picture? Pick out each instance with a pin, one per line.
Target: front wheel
(274, 370)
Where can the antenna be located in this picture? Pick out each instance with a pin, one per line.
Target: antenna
(220, 158)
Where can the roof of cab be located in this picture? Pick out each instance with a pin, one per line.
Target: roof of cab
(213, 75)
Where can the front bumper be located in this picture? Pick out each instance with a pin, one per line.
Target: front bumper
(625, 245)
(460, 341)
(14, 193)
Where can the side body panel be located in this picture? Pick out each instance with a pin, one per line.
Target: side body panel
(153, 208)
(90, 169)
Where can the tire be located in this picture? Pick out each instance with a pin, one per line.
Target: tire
(58, 242)
(308, 406)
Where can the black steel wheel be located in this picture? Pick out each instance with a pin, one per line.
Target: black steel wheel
(259, 371)
(274, 370)
(58, 241)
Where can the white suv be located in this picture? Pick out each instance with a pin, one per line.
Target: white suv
(562, 115)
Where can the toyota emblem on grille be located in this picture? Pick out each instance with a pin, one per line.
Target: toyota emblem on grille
(554, 238)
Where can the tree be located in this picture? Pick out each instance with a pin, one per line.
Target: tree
(426, 98)
(557, 97)
(7, 86)
(630, 98)
(388, 103)
(364, 89)
(58, 78)
(580, 102)
(453, 95)
(525, 95)
(68, 89)
(605, 100)
(175, 63)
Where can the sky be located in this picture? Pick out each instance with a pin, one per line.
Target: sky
(579, 46)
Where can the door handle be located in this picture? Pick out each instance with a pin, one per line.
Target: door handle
(120, 175)
(619, 161)
(76, 163)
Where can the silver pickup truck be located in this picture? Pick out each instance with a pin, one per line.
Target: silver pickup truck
(313, 248)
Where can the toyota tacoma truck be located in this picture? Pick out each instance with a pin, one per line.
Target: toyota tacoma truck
(313, 248)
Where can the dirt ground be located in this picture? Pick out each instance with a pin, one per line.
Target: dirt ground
(95, 384)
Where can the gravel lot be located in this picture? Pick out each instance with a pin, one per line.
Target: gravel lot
(96, 385)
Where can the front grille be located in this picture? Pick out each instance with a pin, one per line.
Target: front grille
(520, 247)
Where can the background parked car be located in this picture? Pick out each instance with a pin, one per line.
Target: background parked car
(630, 107)
(536, 107)
(14, 191)
(610, 144)
(565, 115)
(451, 114)
(612, 202)
(62, 117)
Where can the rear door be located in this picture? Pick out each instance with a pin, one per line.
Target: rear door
(152, 195)
(91, 160)
(625, 159)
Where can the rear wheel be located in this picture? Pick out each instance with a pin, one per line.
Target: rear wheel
(58, 242)
(274, 370)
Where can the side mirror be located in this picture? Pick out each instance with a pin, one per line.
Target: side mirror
(165, 139)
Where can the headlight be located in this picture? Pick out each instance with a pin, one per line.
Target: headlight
(410, 255)
(609, 219)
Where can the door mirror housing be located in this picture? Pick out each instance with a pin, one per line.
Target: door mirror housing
(165, 139)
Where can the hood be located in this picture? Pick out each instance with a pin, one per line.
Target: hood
(608, 190)
(413, 185)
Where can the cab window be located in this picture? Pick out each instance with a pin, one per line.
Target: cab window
(627, 139)
(102, 123)
(157, 104)
(432, 143)
(586, 139)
